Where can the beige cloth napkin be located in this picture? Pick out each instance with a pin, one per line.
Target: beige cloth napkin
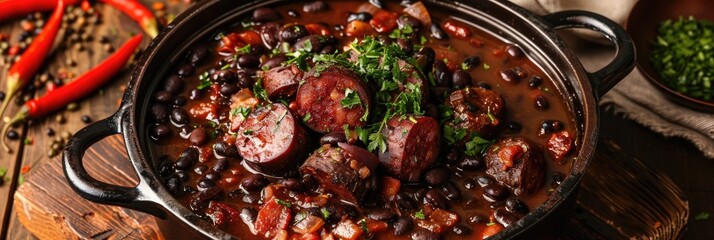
(634, 97)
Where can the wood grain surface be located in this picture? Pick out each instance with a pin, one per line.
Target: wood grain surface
(671, 157)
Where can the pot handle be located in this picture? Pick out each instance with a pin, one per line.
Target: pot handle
(606, 78)
(92, 189)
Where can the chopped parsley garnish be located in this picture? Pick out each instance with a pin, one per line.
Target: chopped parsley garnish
(420, 214)
(351, 99)
(402, 33)
(490, 224)
(245, 49)
(243, 111)
(3, 171)
(702, 216)
(259, 91)
(283, 203)
(307, 117)
(453, 135)
(363, 225)
(248, 132)
(325, 213)
(477, 146)
(346, 128)
(486, 66)
(205, 81)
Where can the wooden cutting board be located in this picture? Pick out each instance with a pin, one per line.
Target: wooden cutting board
(619, 198)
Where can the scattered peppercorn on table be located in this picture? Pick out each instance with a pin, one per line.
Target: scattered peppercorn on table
(47, 207)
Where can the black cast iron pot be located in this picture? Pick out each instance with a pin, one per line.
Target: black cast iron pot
(535, 34)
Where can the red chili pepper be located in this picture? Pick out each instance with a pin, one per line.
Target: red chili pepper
(23, 70)
(77, 89)
(135, 10)
(10, 9)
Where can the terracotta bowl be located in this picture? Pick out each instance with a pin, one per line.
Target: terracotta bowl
(642, 26)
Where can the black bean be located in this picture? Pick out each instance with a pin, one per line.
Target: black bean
(248, 215)
(383, 214)
(159, 113)
(275, 61)
(406, 21)
(494, 192)
(484, 180)
(251, 198)
(471, 163)
(497, 205)
(224, 149)
(185, 131)
(206, 183)
(549, 126)
(86, 119)
(293, 13)
(437, 176)
(179, 116)
(182, 175)
(179, 101)
(314, 46)
(333, 138)
(541, 103)
(254, 182)
(425, 58)
(406, 3)
(423, 234)
(160, 131)
(558, 177)
(403, 225)
(185, 70)
(245, 80)
(249, 61)
(173, 184)
(509, 75)
(189, 189)
(200, 169)
(484, 85)
(478, 219)
(224, 76)
(515, 205)
(451, 192)
(293, 185)
(221, 164)
(535, 81)
(198, 137)
(432, 110)
(442, 76)
(378, 3)
(166, 167)
(436, 199)
(461, 229)
(186, 159)
(471, 107)
(214, 176)
(522, 74)
(453, 156)
(265, 15)
(163, 97)
(174, 84)
(329, 49)
(461, 79)
(269, 34)
(198, 54)
(437, 32)
(313, 7)
(405, 45)
(514, 51)
(228, 89)
(195, 94)
(514, 126)
(504, 217)
(404, 201)
(469, 184)
(200, 200)
(292, 33)
(471, 62)
(360, 16)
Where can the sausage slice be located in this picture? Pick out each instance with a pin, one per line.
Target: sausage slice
(475, 109)
(412, 146)
(282, 82)
(271, 140)
(516, 163)
(320, 99)
(340, 172)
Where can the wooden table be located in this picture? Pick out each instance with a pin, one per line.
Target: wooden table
(675, 157)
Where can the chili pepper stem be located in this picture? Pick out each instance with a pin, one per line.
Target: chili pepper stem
(19, 117)
(13, 86)
(150, 27)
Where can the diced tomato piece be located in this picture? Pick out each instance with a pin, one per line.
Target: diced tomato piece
(317, 29)
(221, 213)
(499, 52)
(358, 29)
(559, 145)
(204, 110)
(384, 21)
(444, 218)
(281, 235)
(429, 225)
(508, 155)
(375, 226)
(491, 230)
(347, 230)
(450, 57)
(390, 187)
(307, 236)
(272, 218)
(250, 37)
(309, 224)
(457, 29)
(231, 41)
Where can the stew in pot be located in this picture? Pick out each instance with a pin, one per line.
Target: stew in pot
(358, 120)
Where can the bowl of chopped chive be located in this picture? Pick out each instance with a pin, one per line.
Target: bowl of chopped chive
(675, 47)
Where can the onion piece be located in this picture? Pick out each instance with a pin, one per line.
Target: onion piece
(419, 11)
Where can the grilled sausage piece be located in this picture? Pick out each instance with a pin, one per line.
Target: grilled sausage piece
(475, 109)
(320, 99)
(412, 146)
(516, 163)
(340, 172)
(282, 82)
(272, 141)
